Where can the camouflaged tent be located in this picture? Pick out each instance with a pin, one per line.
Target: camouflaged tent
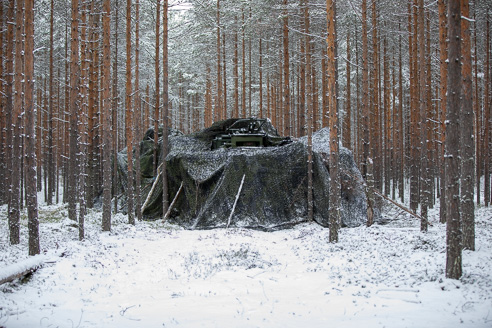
(274, 190)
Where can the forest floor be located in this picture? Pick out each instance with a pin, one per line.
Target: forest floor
(158, 275)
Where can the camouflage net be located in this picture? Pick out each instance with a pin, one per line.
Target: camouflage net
(274, 193)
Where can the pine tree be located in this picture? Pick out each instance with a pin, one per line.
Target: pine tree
(9, 74)
(74, 104)
(467, 142)
(335, 201)
(286, 71)
(129, 114)
(452, 145)
(443, 68)
(17, 152)
(138, 115)
(365, 92)
(165, 103)
(106, 101)
(32, 200)
(157, 85)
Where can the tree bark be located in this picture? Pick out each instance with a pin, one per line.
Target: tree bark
(50, 160)
(347, 127)
(424, 183)
(106, 132)
(114, 108)
(32, 198)
(157, 85)
(467, 142)
(286, 72)
(165, 103)
(74, 103)
(486, 121)
(443, 69)
(451, 158)
(138, 115)
(218, 103)
(335, 187)
(365, 92)
(310, 214)
(15, 202)
(83, 121)
(9, 74)
(129, 114)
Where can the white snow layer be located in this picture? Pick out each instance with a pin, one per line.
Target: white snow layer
(159, 275)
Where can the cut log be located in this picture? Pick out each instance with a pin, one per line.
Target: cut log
(21, 269)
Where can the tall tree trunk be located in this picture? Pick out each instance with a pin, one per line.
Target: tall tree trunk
(129, 114)
(375, 110)
(94, 62)
(157, 85)
(486, 120)
(443, 69)
(3, 144)
(236, 73)
(224, 76)
(243, 72)
(83, 120)
(414, 106)
(32, 198)
(302, 90)
(286, 89)
(401, 150)
(386, 117)
(478, 114)
(165, 103)
(114, 109)
(424, 183)
(15, 202)
(50, 161)
(467, 142)
(335, 187)
(260, 114)
(452, 145)
(347, 128)
(74, 103)
(137, 123)
(218, 103)
(365, 92)
(9, 74)
(309, 112)
(106, 109)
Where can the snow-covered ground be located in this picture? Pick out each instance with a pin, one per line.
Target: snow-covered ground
(158, 275)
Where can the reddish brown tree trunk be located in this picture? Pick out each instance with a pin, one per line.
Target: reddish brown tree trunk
(333, 113)
(442, 4)
(452, 145)
(467, 142)
(106, 131)
(165, 103)
(286, 89)
(129, 114)
(32, 200)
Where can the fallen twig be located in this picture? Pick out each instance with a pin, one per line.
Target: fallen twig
(401, 206)
(388, 199)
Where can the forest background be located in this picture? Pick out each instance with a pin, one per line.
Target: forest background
(77, 88)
